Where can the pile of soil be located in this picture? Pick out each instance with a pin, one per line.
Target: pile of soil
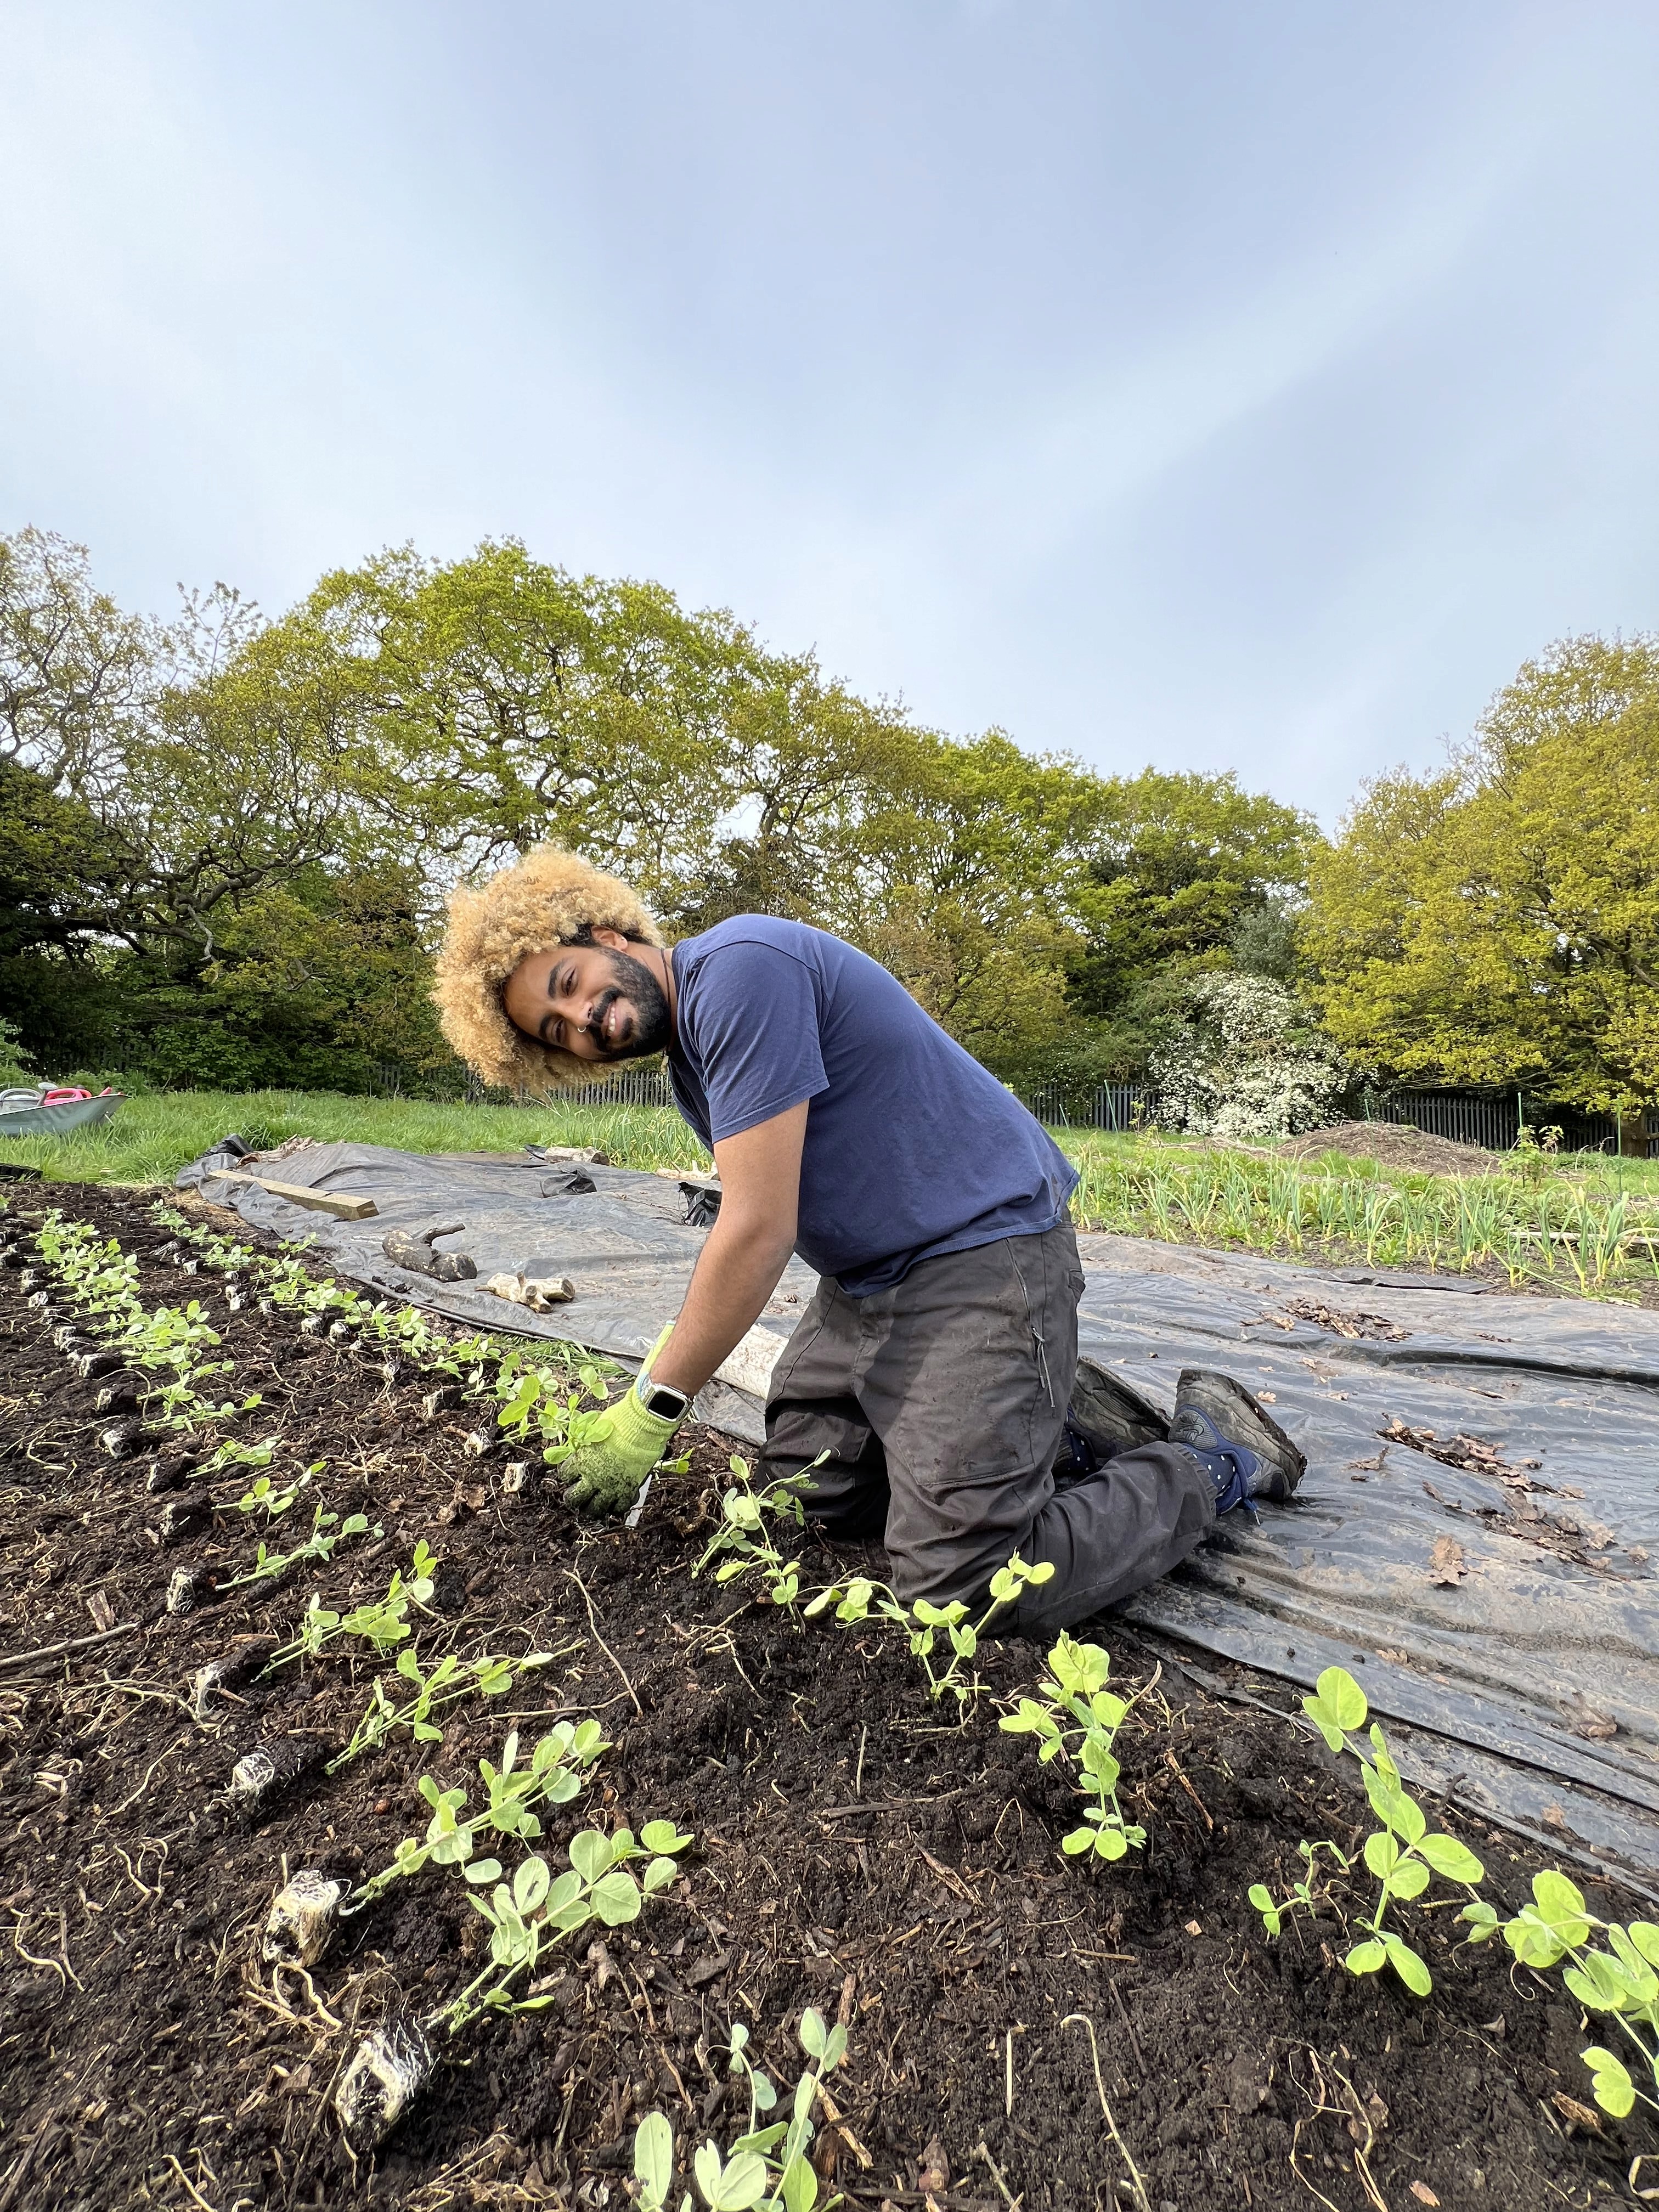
(855, 1850)
(1394, 1145)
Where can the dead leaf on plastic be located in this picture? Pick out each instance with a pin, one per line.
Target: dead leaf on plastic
(1446, 1567)
(1594, 1726)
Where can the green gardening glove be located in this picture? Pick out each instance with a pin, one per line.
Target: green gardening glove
(623, 1445)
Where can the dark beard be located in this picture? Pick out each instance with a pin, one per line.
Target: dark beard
(654, 1024)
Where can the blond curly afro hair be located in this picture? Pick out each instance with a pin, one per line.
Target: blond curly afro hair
(548, 898)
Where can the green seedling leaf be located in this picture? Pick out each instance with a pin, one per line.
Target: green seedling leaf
(1382, 1855)
(531, 1884)
(616, 1898)
(1393, 1807)
(483, 1870)
(1610, 2082)
(1337, 1706)
(1605, 1985)
(1450, 1858)
(732, 2186)
(1262, 1898)
(653, 2157)
(1407, 1964)
(1561, 1904)
(762, 2139)
(799, 2188)
(1367, 1958)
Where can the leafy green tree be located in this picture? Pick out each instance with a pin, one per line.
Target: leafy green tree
(500, 703)
(65, 900)
(1499, 922)
(967, 888)
(74, 670)
(1175, 863)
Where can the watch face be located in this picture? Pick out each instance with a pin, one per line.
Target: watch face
(665, 1401)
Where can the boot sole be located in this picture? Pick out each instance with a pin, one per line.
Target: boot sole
(1239, 1416)
(1130, 1419)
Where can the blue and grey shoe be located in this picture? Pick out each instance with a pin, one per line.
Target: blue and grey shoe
(1245, 1453)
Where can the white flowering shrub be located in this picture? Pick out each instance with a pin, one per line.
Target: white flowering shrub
(1248, 1062)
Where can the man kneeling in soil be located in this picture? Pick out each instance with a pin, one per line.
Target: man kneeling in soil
(937, 1366)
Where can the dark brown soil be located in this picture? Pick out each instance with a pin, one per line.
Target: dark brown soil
(854, 1850)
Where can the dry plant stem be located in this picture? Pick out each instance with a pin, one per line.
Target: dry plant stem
(70, 1644)
(1013, 2202)
(1129, 2025)
(196, 2195)
(594, 1623)
(1082, 2019)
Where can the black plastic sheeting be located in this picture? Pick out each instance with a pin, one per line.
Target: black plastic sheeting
(1517, 1664)
(1529, 1675)
(626, 1245)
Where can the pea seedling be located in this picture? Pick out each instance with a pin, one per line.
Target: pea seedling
(319, 1545)
(383, 1622)
(556, 1768)
(1402, 1853)
(745, 1514)
(451, 1679)
(262, 1496)
(526, 1916)
(767, 2169)
(1308, 1894)
(539, 1907)
(1076, 1717)
(1622, 1980)
(923, 1622)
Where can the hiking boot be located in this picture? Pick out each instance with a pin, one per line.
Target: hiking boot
(1244, 1450)
(1106, 1416)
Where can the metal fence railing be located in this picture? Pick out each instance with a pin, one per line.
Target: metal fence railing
(630, 1086)
(1465, 1117)
(1110, 1106)
(1494, 1120)
(1490, 1120)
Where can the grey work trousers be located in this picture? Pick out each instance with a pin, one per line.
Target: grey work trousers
(941, 1405)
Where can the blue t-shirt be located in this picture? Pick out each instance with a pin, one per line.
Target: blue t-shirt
(911, 1148)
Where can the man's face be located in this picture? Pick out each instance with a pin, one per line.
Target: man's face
(596, 1001)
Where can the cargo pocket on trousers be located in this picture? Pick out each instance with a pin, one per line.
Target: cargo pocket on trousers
(1034, 1325)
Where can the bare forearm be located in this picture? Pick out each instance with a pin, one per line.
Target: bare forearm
(735, 1276)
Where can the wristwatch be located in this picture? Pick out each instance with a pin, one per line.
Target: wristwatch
(660, 1399)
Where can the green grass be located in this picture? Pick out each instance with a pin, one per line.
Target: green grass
(150, 1138)
(1577, 1225)
(1585, 1224)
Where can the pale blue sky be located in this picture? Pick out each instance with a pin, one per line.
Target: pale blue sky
(1188, 381)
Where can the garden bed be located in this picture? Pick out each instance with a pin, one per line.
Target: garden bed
(855, 1850)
